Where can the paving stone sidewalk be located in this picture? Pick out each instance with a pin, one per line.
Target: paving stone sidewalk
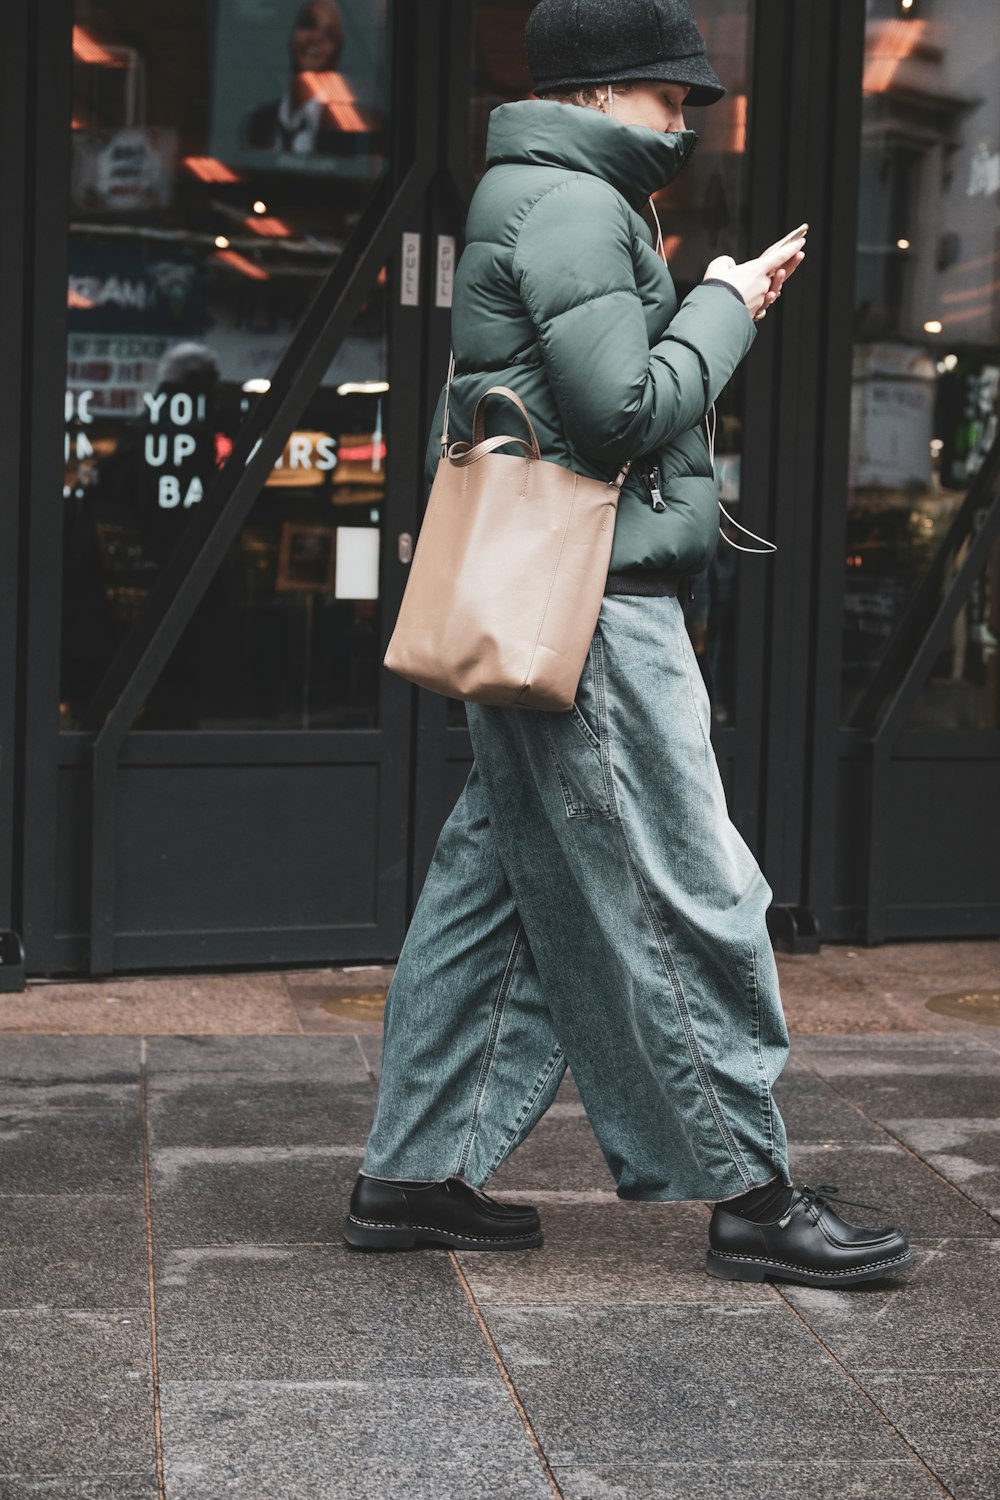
(179, 1317)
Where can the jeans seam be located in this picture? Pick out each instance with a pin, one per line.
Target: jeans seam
(545, 1074)
(592, 739)
(600, 694)
(766, 1095)
(686, 1020)
(573, 809)
(499, 1007)
(680, 1002)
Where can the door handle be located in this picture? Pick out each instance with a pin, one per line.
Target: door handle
(404, 546)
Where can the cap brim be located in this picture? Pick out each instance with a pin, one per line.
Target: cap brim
(706, 87)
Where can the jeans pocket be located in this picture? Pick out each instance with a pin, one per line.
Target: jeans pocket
(577, 742)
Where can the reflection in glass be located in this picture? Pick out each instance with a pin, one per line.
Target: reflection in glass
(962, 690)
(221, 156)
(926, 376)
(703, 213)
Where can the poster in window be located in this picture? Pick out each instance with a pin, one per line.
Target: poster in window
(300, 85)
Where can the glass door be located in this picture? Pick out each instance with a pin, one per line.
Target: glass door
(233, 195)
(914, 593)
(926, 382)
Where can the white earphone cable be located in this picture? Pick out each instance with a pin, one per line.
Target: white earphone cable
(768, 546)
(659, 231)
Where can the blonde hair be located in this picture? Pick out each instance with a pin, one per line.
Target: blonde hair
(588, 95)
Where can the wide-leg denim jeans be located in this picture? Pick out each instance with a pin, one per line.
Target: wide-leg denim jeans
(591, 903)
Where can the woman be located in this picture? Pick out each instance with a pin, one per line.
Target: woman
(300, 123)
(590, 902)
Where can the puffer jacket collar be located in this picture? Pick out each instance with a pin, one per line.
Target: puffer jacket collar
(633, 158)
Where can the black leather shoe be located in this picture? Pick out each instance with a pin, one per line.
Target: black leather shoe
(810, 1243)
(387, 1215)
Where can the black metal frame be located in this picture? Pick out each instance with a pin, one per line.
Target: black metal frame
(742, 746)
(14, 178)
(810, 97)
(443, 751)
(828, 482)
(48, 70)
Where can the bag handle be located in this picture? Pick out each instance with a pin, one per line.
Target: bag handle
(481, 445)
(465, 453)
(479, 416)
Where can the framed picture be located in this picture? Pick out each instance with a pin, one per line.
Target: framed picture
(307, 559)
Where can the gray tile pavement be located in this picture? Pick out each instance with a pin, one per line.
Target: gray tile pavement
(604, 1366)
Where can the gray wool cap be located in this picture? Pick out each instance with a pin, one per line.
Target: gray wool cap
(572, 43)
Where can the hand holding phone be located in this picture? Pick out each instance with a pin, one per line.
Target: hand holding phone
(761, 280)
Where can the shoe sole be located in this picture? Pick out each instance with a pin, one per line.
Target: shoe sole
(747, 1268)
(366, 1234)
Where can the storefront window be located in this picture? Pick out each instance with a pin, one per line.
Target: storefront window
(221, 156)
(703, 214)
(926, 383)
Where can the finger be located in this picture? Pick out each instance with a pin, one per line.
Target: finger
(788, 266)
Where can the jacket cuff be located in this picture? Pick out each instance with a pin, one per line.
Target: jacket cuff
(718, 281)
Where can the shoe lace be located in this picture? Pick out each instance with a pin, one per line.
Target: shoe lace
(819, 1196)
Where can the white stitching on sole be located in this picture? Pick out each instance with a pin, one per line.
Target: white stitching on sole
(872, 1265)
(496, 1239)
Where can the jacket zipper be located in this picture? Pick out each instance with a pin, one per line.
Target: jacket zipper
(653, 485)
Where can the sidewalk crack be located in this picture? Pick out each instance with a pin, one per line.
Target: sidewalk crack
(861, 1390)
(148, 1214)
(505, 1376)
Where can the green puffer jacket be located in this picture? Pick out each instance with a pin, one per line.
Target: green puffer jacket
(560, 294)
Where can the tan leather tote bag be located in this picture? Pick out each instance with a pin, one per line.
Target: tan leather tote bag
(508, 572)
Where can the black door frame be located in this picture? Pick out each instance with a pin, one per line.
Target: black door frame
(14, 182)
(105, 747)
(810, 140)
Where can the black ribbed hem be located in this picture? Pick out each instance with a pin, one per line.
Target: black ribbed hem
(649, 581)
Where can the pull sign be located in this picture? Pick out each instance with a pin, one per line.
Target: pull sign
(409, 291)
(445, 270)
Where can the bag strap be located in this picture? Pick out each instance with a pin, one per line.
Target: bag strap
(447, 402)
(482, 445)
